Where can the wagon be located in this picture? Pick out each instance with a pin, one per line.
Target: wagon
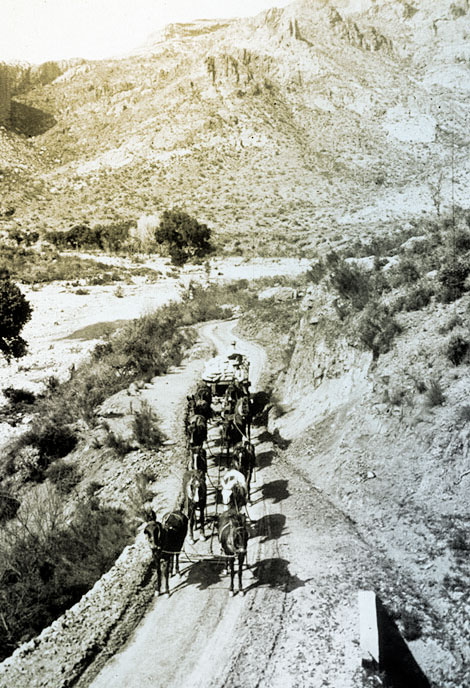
(222, 370)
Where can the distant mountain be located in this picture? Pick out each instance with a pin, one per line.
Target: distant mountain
(302, 125)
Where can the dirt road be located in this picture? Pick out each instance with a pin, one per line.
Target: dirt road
(297, 624)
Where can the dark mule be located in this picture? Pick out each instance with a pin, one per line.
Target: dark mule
(196, 432)
(233, 393)
(245, 461)
(231, 434)
(166, 540)
(198, 460)
(233, 538)
(197, 406)
(242, 415)
(194, 496)
(203, 391)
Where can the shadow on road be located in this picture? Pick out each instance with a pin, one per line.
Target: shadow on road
(276, 490)
(274, 573)
(264, 459)
(270, 527)
(203, 574)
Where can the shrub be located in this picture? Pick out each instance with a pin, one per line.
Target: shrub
(183, 236)
(146, 429)
(412, 628)
(351, 282)
(46, 571)
(19, 396)
(452, 277)
(65, 476)
(405, 272)
(457, 349)
(9, 506)
(119, 444)
(435, 395)
(140, 498)
(376, 328)
(15, 312)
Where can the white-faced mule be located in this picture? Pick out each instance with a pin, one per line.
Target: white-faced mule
(233, 537)
(166, 540)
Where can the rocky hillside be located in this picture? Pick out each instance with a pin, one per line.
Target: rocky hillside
(300, 126)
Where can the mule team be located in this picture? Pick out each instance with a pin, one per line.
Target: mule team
(237, 453)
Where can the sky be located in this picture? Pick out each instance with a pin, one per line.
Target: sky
(40, 30)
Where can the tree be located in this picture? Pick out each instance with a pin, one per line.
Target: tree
(184, 236)
(15, 312)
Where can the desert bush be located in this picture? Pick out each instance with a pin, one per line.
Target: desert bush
(183, 236)
(457, 348)
(145, 426)
(454, 321)
(405, 272)
(15, 312)
(139, 498)
(464, 413)
(19, 396)
(316, 272)
(120, 445)
(44, 571)
(353, 284)
(435, 395)
(452, 278)
(65, 476)
(376, 328)
(417, 296)
(9, 506)
(411, 623)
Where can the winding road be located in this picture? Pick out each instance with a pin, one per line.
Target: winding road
(297, 624)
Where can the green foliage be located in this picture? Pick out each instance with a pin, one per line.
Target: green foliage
(104, 237)
(452, 277)
(120, 445)
(183, 236)
(44, 573)
(9, 506)
(405, 272)
(457, 349)
(15, 312)
(417, 296)
(65, 476)
(376, 328)
(435, 395)
(146, 428)
(353, 284)
(412, 628)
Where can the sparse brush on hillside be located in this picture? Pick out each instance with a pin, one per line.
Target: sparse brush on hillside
(47, 565)
(146, 428)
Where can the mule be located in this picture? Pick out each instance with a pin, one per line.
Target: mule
(196, 432)
(233, 393)
(231, 435)
(233, 537)
(242, 415)
(245, 461)
(198, 460)
(234, 489)
(203, 391)
(166, 539)
(194, 497)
